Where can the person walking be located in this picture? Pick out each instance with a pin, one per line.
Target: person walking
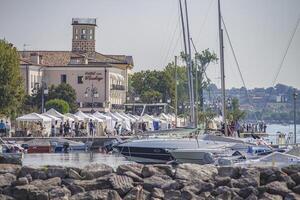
(91, 128)
(2, 128)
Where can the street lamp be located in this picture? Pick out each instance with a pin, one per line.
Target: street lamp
(44, 91)
(295, 129)
(92, 92)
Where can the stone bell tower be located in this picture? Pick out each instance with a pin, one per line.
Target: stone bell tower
(83, 35)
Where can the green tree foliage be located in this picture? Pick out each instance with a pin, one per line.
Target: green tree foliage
(234, 113)
(59, 105)
(11, 86)
(62, 91)
(151, 96)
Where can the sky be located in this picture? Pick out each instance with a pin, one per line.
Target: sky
(150, 31)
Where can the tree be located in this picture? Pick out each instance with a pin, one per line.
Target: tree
(62, 91)
(59, 105)
(151, 96)
(235, 114)
(11, 86)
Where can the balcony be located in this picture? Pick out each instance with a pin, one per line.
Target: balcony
(89, 105)
(117, 106)
(117, 87)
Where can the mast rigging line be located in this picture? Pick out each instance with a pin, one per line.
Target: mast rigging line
(281, 63)
(237, 64)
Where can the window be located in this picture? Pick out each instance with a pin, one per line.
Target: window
(76, 37)
(91, 31)
(80, 79)
(83, 31)
(63, 78)
(76, 30)
(91, 37)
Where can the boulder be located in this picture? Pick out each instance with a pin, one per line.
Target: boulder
(165, 169)
(252, 173)
(192, 172)
(154, 182)
(187, 195)
(46, 184)
(244, 182)
(278, 188)
(134, 177)
(229, 171)
(223, 181)
(29, 192)
(157, 193)
(291, 169)
(292, 196)
(296, 177)
(135, 168)
(56, 171)
(95, 184)
(172, 185)
(173, 194)
(10, 159)
(74, 174)
(97, 194)
(95, 170)
(148, 171)
(296, 189)
(252, 197)
(35, 173)
(7, 179)
(21, 181)
(267, 196)
(137, 193)
(247, 191)
(9, 168)
(59, 193)
(5, 197)
(122, 184)
(74, 189)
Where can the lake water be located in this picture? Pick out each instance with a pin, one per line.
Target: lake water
(78, 159)
(81, 159)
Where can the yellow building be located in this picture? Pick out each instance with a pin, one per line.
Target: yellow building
(100, 81)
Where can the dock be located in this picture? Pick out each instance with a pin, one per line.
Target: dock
(245, 135)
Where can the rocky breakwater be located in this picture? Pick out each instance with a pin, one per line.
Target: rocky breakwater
(135, 181)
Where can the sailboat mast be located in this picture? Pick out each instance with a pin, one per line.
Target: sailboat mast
(187, 60)
(192, 99)
(222, 69)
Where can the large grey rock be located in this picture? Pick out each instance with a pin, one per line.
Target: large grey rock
(46, 184)
(148, 171)
(137, 193)
(165, 169)
(296, 189)
(252, 173)
(95, 184)
(97, 194)
(173, 195)
(10, 168)
(229, 171)
(291, 169)
(157, 193)
(134, 176)
(59, 193)
(223, 181)
(267, 196)
(5, 197)
(292, 196)
(122, 184)
(244, 182)
(7, 179)
(135, 168)
(296, 177)
(195, 172)
(74, 174)
(21, 181)
(172, 185)
(56, 171)
(95, 170)
(247, 191)
(35, 173)
(74, 189)
(154, 182)
(278, 188)
(28, 192)
(199, 186)
(10, 159)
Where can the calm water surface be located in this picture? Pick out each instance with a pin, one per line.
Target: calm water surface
(79, 159)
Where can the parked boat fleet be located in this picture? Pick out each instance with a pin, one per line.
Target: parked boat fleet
(207, 149)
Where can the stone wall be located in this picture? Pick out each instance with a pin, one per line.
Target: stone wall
(135, 181)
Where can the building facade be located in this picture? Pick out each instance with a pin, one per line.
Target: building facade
(100, 81)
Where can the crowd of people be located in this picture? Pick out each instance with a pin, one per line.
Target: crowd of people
(236, 128)
(4, 128)
(73, 129)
